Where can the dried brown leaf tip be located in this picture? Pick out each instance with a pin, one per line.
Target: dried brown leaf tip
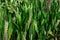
(47, 5)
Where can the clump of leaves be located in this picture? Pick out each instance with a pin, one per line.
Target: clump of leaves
(30, 19)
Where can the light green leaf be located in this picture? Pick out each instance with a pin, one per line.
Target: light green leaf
(41, 1)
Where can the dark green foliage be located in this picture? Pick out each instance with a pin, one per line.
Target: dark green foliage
(30, 19)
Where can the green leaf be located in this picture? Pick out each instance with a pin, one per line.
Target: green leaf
(41, 1)
(18, 37)
(10, 28)
(42, 22)
(35, 25)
